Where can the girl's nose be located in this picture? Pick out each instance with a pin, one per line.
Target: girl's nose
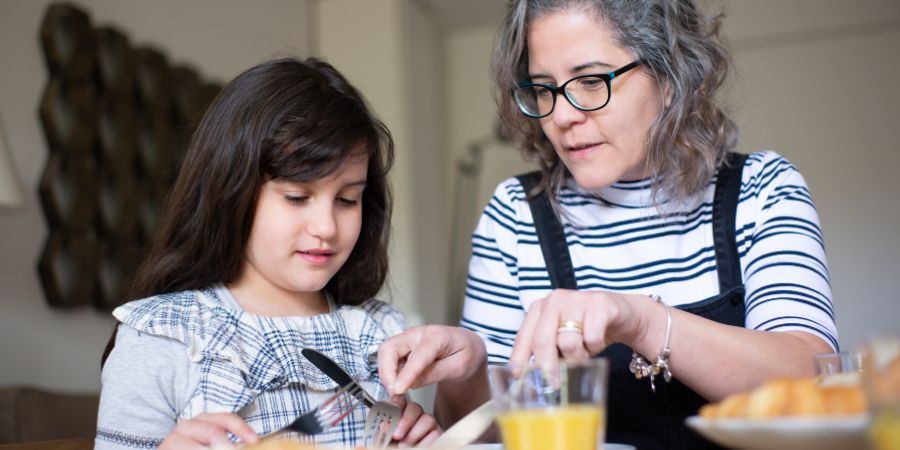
(322, 224)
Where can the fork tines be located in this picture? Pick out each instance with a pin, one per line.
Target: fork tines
(380, 424)
(330, 412)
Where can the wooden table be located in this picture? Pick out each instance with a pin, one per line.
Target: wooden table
(84, 443)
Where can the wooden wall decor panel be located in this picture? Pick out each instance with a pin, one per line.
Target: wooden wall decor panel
(117, 120)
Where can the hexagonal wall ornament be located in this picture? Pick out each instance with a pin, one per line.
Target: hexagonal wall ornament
(68, 41)
(115, 121)
(67, 269)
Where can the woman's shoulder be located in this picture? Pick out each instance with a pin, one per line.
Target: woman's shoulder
(509, 202)
(763, 160)
(767, 169)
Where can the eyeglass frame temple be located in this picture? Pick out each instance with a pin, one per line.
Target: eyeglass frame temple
(556, 90)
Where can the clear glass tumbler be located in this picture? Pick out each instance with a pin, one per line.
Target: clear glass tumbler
(841, 362)
(558, 407)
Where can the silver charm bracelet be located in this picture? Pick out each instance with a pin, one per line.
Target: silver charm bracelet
(639, 365)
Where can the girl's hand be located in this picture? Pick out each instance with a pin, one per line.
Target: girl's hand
(415, 428)
(428, 354)
(604, 317)
(208, 430)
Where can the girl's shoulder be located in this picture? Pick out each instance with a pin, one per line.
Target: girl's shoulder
(379, 309)
(374, 313)
(182, 315)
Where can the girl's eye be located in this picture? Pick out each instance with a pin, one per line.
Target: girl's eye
(348, 201)
(296, 198)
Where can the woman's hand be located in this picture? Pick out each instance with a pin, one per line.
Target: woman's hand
(428, 354)
(604, 317)
(209, 430)
(415, 428)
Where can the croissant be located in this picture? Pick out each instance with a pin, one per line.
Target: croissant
(789, 397)
(288, 444)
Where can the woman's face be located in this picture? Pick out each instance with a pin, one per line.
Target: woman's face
(598, 147)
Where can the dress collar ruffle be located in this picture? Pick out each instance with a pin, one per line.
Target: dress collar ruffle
(266, 350)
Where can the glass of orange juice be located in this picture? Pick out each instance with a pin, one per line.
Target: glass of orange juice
(881, 380)
(555, 407)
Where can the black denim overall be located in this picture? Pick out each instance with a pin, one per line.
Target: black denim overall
(636, 415)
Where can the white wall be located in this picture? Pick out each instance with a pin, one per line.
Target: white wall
(816, 81)
(61, 348)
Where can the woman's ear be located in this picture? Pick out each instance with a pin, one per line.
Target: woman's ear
(667, 94)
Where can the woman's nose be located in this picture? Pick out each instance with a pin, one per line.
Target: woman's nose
(565, 115)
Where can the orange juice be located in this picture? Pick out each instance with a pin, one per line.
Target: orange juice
(579, 427)
(885, 430)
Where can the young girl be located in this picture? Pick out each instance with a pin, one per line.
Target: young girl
(274, 239)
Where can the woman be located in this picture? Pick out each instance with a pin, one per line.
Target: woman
(674, 257)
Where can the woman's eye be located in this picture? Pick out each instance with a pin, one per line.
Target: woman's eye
(541, 91)
(592, 83)
(348, 201)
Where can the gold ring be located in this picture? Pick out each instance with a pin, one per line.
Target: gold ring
(569, 325)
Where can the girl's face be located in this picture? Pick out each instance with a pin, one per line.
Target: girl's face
(598, 147)
(301, 236)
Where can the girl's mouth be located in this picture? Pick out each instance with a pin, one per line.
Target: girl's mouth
(317, 257)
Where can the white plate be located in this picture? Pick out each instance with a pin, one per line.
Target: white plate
(606, 446)
(785, 433)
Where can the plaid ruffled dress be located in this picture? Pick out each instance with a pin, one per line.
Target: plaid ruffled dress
(251, 365)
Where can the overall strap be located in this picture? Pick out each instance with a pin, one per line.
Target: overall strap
(550, 235)
(725, 201)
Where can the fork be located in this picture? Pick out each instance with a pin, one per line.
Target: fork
(328, 414)
(380, 424)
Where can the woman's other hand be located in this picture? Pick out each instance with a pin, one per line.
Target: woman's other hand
(427, 354)
(603, 317)
(209, 430)
(415, 428)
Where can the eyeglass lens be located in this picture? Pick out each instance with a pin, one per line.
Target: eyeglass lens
(585, 93)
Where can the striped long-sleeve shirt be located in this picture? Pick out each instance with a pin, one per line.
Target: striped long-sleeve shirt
(619, 241)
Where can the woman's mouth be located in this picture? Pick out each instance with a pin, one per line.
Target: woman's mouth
(581, 150)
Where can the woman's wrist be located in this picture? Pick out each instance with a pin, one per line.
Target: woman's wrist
(632, 320)
(651, 326)
(643, 367)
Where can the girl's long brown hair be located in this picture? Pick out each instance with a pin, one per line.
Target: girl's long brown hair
(288, 119)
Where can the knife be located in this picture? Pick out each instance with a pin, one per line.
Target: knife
(469, 428)
(336, 373)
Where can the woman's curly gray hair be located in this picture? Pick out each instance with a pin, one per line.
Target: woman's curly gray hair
(677, 46)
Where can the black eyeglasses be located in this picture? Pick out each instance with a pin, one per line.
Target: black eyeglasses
(585, 92)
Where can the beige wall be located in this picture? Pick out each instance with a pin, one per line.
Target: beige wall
(61, 348)
(431, 88)
(816, 81)
(393, 56)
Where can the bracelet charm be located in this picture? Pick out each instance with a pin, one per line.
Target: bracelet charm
(641, 368)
